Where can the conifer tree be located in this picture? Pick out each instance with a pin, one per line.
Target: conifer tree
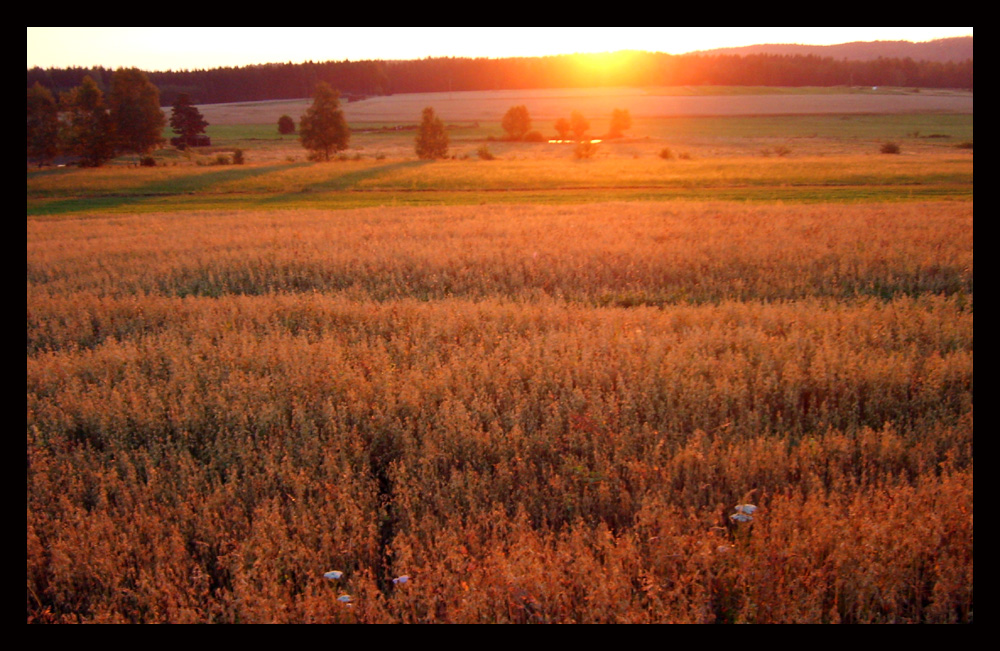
(186, 120)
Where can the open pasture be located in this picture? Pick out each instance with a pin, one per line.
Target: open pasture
(536, 387)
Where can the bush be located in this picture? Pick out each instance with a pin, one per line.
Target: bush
(484, 153)
(238, 157)
(286, 125)
(221, 159)
(534, 136)
(147, 161)
(585, 149)
(666, 154)
(889, 148)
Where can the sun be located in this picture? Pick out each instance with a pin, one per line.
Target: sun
(608, 67)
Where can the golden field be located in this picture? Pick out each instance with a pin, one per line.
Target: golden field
(537, 411)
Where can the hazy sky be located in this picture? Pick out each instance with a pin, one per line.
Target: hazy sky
(179, 48)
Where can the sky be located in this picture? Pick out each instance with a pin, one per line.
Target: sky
(189, 48)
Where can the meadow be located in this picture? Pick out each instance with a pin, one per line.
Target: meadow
(532, 389)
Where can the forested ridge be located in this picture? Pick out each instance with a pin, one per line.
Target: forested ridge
(376, 77)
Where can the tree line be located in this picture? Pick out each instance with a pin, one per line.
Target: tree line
(442, 74)
(94, 128)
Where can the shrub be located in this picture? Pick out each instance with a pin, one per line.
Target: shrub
(484, 153)
(534, 136)
(147, 161)
(666, 154)
(286, 125)
(889, 148)
(221, 159)
(238, 157)
(585, 149)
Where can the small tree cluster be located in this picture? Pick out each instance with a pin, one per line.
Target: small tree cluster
(96, 128)
(579, 125)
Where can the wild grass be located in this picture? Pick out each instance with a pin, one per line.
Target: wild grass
(537, 387)
(537, 413)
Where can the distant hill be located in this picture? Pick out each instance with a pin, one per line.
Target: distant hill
(940, 50)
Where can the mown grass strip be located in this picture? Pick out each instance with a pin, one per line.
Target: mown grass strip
(359, 199)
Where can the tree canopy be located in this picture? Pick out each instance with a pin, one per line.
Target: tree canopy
(578, 124)
(516, 122)
(562, 127)
(186, 120)
(89, 129)
(323, 129)
(621, 121)
(134, 104)
(432, 139)
(43, 124)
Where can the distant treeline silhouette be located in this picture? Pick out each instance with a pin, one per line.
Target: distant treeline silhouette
(375, 77)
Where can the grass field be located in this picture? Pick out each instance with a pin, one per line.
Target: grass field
(532, 389)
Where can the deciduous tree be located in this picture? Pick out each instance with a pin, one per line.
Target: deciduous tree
(186, 120)
(516, 122)
(563, 128)
(621, 121)
(286, 125)
(89, 130)
(323, 129)
(578, 124)
(432, 139)
(134, 104)
(43, 125)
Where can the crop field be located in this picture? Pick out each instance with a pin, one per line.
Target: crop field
(729, 385)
